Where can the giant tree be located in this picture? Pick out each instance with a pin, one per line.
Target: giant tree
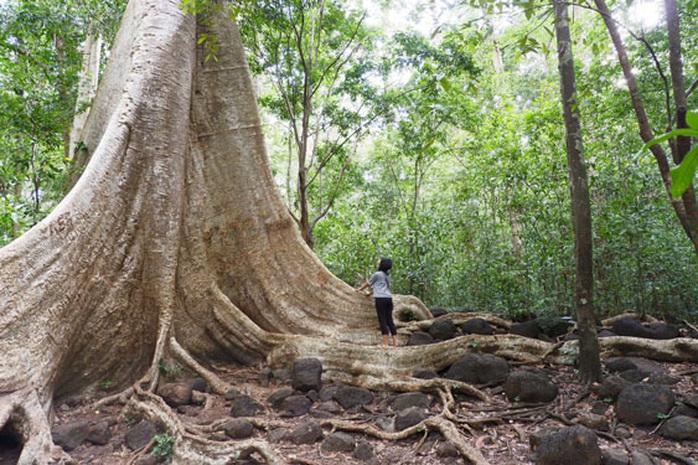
(175, 243)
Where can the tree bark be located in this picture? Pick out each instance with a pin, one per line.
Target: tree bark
(589, 362)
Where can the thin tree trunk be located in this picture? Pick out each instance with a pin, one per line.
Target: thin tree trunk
(589, 362)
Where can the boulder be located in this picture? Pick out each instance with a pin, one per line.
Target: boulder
(419, 338)
(307, 433)
(611, 386)
(410, 399)
(243, 405)
(277, 397)
(633, 328)
(351, 396)
(680, 428)
(338, 442)
(477, 326)
(410, 417)
(425, 374)
(529, 329)
(70, 435)
(175, 394)
(99, 433)
(363, 451)
(307, 374)
(644, 404)
(295, 406)
(442, 330)
(437, 311)
(530, 386)
(238, 428)
(140, 435)
(558, 447)
(479, 369)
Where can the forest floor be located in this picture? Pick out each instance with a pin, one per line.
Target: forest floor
(500, 430)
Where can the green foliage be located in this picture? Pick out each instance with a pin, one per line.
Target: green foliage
(163, 447)
(170, 370)
(682, 175)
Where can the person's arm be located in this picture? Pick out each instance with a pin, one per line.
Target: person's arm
(364, 286)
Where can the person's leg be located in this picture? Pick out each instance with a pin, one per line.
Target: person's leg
(390, 323)
(382, 312)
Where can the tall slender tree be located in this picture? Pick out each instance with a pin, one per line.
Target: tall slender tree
(589, 360)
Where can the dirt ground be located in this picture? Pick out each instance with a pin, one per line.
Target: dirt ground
(500, 429)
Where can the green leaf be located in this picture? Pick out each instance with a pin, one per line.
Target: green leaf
(446, 84)
(692, 119)
(670, 135)
(682, 175)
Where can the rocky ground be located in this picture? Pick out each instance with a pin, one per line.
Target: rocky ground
(306, 431)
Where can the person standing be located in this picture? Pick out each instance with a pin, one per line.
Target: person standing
(383, 297)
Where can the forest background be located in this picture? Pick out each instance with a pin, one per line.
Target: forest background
(427, 131)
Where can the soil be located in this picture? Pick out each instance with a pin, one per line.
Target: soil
(501, 430)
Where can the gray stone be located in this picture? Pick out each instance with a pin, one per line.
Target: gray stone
(238, 428)
(640, 458)
(198, 384)
(308, 433)
(446, 449)
(410, 417)
(339, 442)
(437, 311)
(243, 405)
(70, 435)
(643, 404)
(477, 326)
(558, 447)
(442, 330)
(425, 374)
(530, 386)
(410, 399)
(295, 406)
(99, 433)
(175, 394)
(529, 329)
(140, 435)
(277, 397)
(614, 457)
(611, 387)
(680, 428)
(386, 424)
(479, 369)
(278, 435)
(307, 374)
(363, 451)
(419, 338)
(350, 396)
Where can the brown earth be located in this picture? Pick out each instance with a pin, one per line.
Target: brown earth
(499, 429)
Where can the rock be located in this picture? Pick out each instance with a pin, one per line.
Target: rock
(140, 435)
(276, 398)
(339, 442)
(611, 386)
(410, 417)
(555, 448)
(410, 399)
(643, 404)
(555, 326)
(530, 386)
(265, 376)
(350, 396)
(295, 406)
(328, 406)
(147, 460)
(420, 338)
(198, 384)
(238, 428)
(680, 428)
(308, 433)
(614, 457)
(232, 393)
(631, 327)
(593, 421)
(282, 375)
(437, 311)
(386, 424)
(425, 374)
(442, 330)
(477, 326)
(644, 366)
(363, 451)
(446, 449)
(479, 369)
(640, 458)
(99, 433)
(529, 329)
(70, 435)
(244, 406)
(278, 435)
(175, 394)
(306, 374)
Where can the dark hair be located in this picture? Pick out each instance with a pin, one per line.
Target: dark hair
(385, 265)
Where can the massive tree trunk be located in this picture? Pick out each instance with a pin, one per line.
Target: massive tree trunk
(174, 240)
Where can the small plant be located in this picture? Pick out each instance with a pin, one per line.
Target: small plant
(164, 446)
(608, 400)
(130, 421)
(106, 385)
(662, 416)
(170, 371)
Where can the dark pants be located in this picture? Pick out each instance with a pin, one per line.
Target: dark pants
(384, 308)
